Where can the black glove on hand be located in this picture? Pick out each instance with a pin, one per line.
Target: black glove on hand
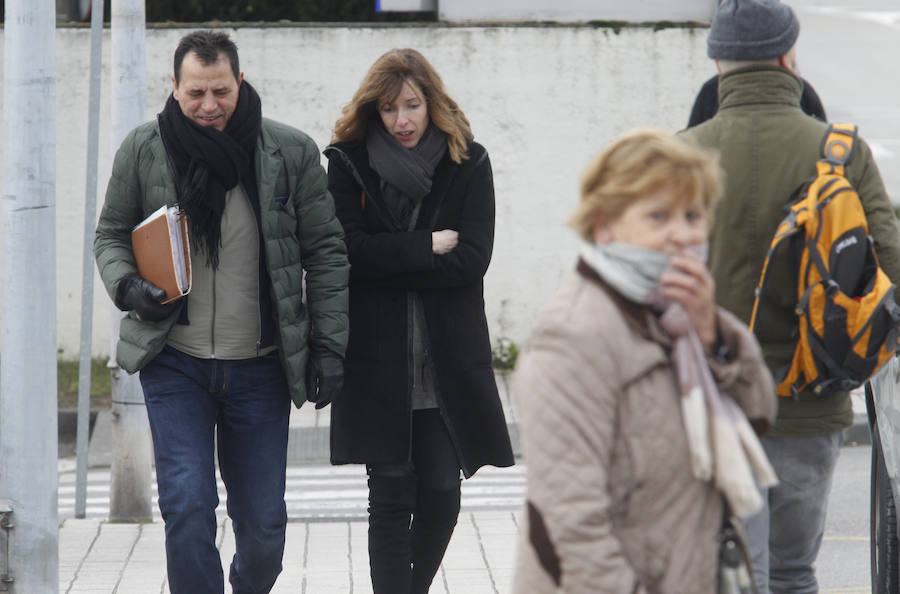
(142, 296)
(324, 376)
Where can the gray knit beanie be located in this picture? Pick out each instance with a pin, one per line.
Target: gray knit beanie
(752, 30)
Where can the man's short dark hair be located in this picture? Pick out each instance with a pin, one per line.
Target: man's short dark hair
(207, 45)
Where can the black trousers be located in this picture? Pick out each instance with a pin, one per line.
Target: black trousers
(413, 508)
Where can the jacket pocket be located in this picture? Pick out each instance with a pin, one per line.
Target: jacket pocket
(283, 209)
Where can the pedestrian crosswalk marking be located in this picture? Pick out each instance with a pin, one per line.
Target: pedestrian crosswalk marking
(311, 492)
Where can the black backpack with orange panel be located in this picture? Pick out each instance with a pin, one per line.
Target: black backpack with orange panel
(848, 321)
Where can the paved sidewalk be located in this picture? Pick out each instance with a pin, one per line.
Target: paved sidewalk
(321, 557)
(329, 555)
(326, 550)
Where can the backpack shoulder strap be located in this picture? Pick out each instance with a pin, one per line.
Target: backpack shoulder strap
(835, 152)
(837, 147)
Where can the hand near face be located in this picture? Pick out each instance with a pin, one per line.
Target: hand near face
(443, 242)
(688, 282)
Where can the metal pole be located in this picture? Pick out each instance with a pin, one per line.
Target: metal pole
(87, 277)
(28, 442)
(130, 488)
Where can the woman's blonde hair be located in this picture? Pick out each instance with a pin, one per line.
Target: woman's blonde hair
(383, 83)
(637, 164)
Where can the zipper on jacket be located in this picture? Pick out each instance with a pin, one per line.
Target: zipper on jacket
(259, 330)
(259, 256)
(258, 309)
(452, 433)
(212, 325)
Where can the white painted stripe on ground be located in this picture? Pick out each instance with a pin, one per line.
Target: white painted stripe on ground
(889, 18)
(325, 492)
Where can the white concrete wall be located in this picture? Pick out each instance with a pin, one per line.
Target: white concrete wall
(542, 99)
(575, 10)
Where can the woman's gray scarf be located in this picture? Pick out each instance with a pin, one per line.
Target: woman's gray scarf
(723, 446)
(631, 270)
(405, 174)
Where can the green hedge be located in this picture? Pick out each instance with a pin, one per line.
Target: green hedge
(67, 383)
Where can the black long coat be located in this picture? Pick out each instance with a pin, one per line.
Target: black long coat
(371, 419)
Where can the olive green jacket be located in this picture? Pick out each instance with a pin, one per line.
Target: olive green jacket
(768, 148)
(300, 232)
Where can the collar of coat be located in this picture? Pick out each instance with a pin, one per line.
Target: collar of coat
(759, 85)
(639, 317)
(355, 159)
(267, 160)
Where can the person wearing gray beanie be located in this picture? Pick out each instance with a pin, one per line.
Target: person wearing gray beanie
(767, 149)
(746, 30)
(751, 31)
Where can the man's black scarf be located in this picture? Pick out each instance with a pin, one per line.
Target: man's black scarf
(208, 163)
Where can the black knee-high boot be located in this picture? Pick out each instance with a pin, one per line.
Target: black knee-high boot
(392, 500)
(432, 526)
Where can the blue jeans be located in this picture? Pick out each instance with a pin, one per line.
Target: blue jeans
(243, 407)
(784, 537)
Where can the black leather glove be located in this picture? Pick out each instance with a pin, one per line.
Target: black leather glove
(324, 376)
(143, 297)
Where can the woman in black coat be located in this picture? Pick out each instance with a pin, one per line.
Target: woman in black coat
(415, 196)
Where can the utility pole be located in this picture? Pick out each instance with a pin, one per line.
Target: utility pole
(29, 532)
(87, 277)
(130, 487)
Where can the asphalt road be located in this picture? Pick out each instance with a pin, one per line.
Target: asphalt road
(848, 51)
(843, 563)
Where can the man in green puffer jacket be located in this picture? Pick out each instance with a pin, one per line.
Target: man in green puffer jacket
(768, 148)
(220, 366)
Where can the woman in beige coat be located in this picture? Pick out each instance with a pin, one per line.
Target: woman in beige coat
(625, 492)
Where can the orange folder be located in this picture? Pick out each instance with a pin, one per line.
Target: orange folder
(162, 250)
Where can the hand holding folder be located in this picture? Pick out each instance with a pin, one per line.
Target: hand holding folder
(162, 250)
(143, 298)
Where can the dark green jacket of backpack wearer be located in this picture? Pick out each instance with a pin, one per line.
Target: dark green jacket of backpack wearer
(299, 229)
(768, 148)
